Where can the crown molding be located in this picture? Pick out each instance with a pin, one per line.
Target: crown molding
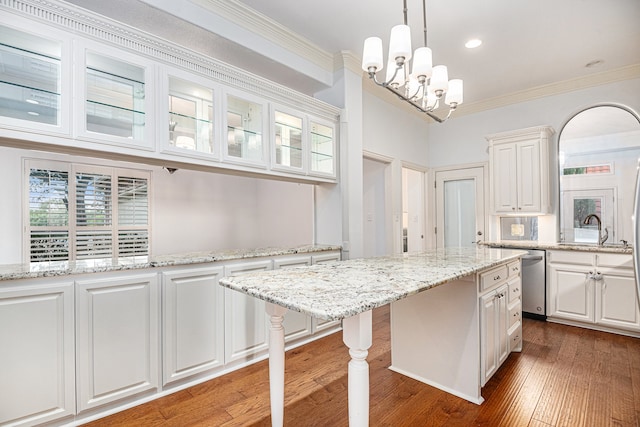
(570, 85)
(255, 22)
(346, 59)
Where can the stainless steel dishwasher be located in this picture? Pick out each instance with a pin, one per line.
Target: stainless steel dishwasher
(534, 284)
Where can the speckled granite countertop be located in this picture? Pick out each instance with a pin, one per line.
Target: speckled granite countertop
(559, 246)
(345, 288)
(63, 268)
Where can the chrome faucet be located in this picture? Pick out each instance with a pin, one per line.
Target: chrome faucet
(601, 238)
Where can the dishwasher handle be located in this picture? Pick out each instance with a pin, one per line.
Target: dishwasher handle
(532, 257)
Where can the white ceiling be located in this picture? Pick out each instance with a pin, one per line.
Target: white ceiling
(526, 44)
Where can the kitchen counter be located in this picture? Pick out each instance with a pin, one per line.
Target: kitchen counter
(516, 244)
(63, 268)
(349, 290)
(343, 289)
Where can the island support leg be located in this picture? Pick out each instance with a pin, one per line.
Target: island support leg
(276, 363)
(356, 335)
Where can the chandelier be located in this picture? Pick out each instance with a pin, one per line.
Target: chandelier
(424, 86)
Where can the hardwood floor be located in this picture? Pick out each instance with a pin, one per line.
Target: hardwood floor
(565, 376)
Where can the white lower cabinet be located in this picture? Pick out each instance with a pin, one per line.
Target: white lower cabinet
(192, 322)
(37, 359)
(493, 321)
(117, 348)
(245, 318)
(70, 350)
(597, 290)
(500, 316)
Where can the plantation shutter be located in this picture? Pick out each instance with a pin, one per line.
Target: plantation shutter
(94, 213)
(133, 216)
(79, 212)
(48, 231)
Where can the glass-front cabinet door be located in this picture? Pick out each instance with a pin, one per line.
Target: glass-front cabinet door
(190, 119)
(322, 150)
(245, 129)
(31, 84)
(118, 97)
(288, 141)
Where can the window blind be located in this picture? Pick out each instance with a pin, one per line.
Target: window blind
(75, 219)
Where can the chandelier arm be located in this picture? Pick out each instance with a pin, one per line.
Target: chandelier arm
(372, 76)
(419, 107)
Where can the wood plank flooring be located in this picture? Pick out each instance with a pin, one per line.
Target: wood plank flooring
(565, 376)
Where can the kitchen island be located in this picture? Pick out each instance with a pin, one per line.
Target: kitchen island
(445, 322)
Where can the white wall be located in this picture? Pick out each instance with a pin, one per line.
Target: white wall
(194, 211)
(392, 132)
(190, 210)
(461, 140)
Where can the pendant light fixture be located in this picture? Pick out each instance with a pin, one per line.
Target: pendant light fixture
(423, 85)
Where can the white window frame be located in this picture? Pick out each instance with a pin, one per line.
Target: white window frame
(72, 227)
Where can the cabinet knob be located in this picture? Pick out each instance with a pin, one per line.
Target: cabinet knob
(496, 277)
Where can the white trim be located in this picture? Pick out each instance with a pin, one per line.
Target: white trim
(257, 23)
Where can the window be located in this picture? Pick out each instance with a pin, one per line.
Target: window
(78, 212)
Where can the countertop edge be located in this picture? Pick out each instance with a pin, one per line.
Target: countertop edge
(59, 269)
(558, 246)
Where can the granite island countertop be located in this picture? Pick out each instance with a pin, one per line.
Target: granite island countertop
(64, 268)
(343, 289)
(516, 244)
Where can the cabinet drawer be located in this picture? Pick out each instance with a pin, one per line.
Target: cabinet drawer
(493, 277)
(571, 257)
(615, 260)
(515, 289)
(515, 336)
(514, 268)
(515, 313)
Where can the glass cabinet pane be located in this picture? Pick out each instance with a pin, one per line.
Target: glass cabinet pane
(29, 77)
(322, 149)
(114, 97)
(288, 140)
(244, 129)
(190, 116)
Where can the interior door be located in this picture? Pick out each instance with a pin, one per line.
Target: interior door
(460, 207)
(413, 210)
(376, 223)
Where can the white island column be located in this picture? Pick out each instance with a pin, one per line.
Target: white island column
(276, 363)
(356, 335)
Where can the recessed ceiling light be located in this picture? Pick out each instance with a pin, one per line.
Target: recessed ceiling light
(473, 43)
(33, 113)
(594, 63)
(32, 101)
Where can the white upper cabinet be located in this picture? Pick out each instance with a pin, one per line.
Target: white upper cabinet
(323, 149)
(290, 140)
(246, 121)
(94, 85)
(116, 102)
(34, 96)
(519, 163)
(186, 124)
